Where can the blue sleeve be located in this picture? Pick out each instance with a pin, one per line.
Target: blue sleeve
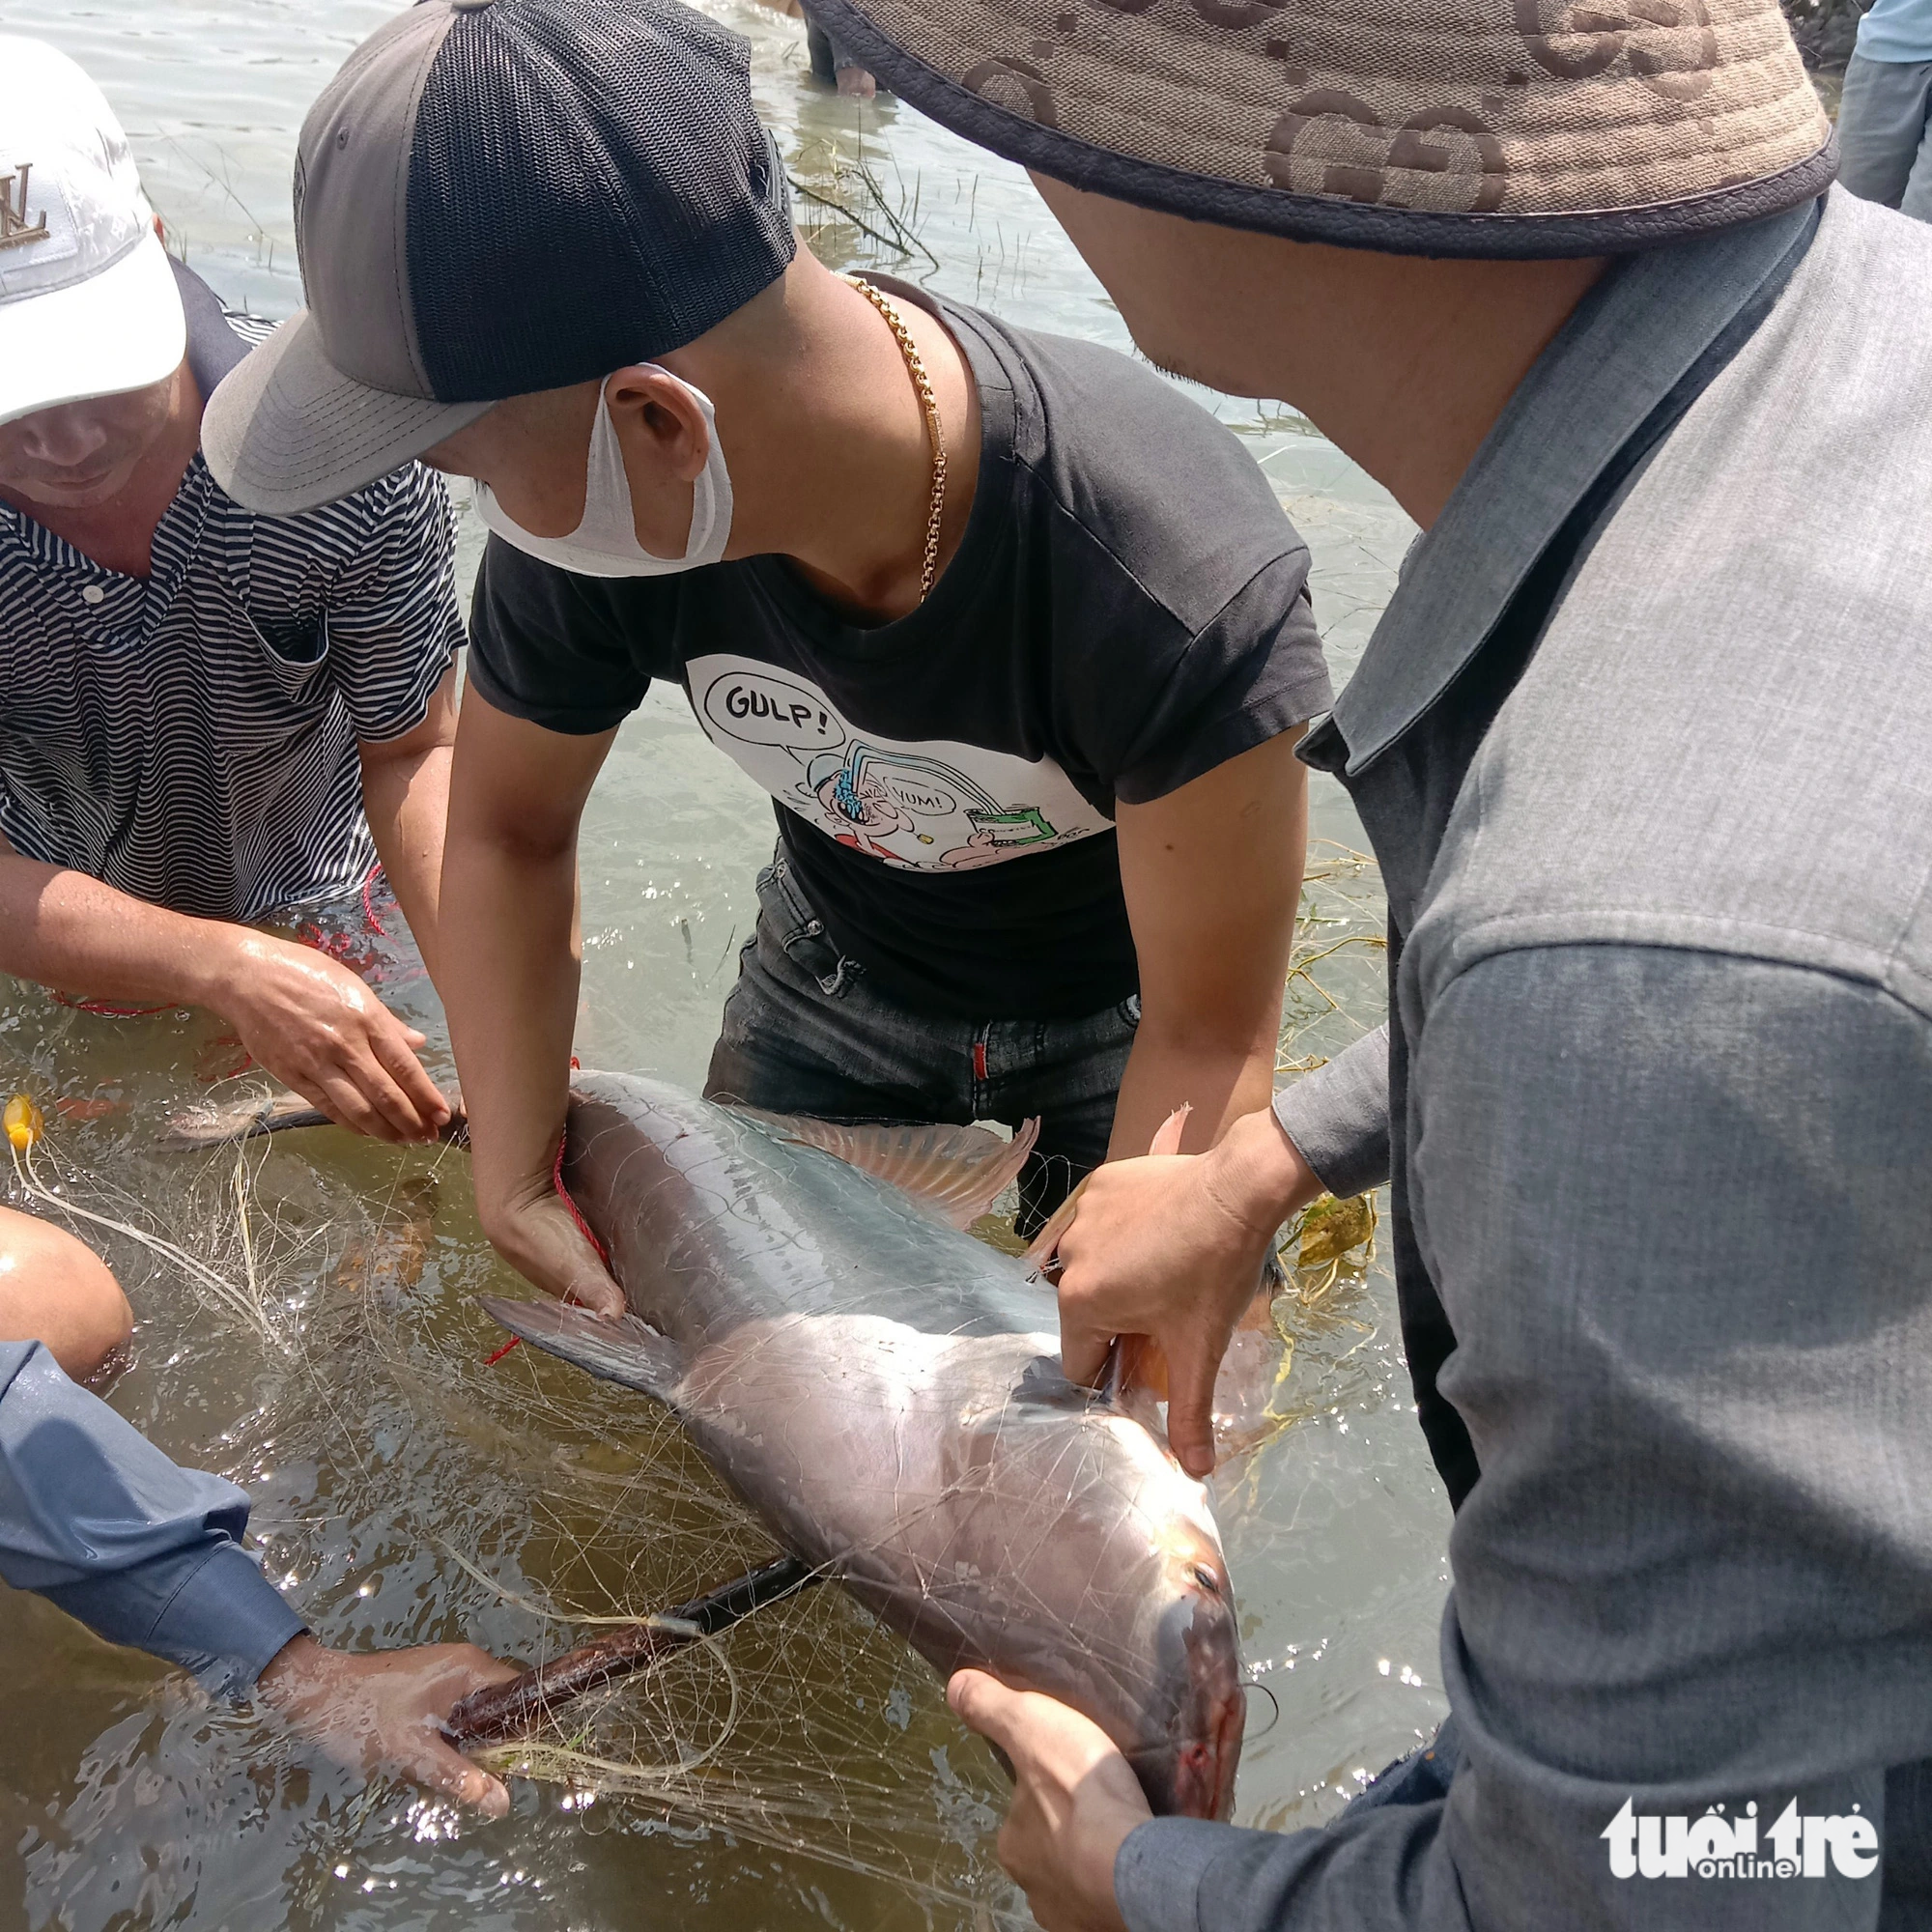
(94, 1517)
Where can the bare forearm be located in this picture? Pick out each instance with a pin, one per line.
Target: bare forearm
(305, 1017)
(70, 931)
(512, 962)
(407, 803)
(1213, 922)
(1219, 1079)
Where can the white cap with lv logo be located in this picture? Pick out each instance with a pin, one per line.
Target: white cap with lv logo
(88, 303)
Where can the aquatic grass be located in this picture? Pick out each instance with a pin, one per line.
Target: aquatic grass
(1341, 912)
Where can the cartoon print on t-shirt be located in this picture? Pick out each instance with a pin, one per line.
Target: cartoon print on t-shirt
(931, 806)
(854, 791)
(848, 794)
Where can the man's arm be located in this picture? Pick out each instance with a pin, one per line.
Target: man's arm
(1679, 1209)
(406, 799)
(94, 1517)
(512, 959)
(311, 1022)
(1212, 879)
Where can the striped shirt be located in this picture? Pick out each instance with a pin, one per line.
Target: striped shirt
(190, 739)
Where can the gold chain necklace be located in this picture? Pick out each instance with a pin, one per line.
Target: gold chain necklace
(936, 433)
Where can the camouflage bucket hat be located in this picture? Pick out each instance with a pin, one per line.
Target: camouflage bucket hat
(1497, 127)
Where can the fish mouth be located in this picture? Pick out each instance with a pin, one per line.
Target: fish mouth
(1205, 1766)
(1206, 1763)
(1192, 1776)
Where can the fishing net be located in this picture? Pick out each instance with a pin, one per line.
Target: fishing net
(310, 1328)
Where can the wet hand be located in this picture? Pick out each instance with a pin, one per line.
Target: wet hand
(1075, 1798)
(316, 1027)
(1171, 1246)
(538, 1236)
(383, 1712)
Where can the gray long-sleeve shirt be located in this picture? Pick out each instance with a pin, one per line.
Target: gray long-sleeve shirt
(97, 1520)
(1660, 1122)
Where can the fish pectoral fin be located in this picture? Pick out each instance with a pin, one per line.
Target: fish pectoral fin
(961, 1171)
(626, 1351)
(275, 1113)
(243, 1119)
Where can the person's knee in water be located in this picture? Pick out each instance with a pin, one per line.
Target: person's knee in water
(57, 1291)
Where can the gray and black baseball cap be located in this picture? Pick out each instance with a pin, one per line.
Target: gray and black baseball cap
(495, 197)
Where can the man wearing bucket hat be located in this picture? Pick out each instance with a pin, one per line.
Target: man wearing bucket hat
(196, 704)
(906, 563)
(1641, 742)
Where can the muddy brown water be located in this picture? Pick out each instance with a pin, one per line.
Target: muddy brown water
(406, 1491)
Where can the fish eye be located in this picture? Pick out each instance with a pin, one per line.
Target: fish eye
(1207, 1579)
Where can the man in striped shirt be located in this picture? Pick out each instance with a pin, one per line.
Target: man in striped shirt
(208, 717)
(195, 706)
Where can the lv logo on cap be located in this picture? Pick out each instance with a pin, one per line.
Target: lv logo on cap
(16, 230)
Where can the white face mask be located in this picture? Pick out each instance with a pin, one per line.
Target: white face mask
(604, 544)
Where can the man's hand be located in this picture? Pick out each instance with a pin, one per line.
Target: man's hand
(1075, 1798)
(384, 1711)
(1171, 1246)
(309, 1021)
(538, 1236)
(316, 1027)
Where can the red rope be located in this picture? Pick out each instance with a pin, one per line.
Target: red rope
(375, 924)
(214, 1076)
(563, 1194)
(106, 1009)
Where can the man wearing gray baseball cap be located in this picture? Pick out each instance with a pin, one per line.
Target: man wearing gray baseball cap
(1008, 692)
(1642, 743)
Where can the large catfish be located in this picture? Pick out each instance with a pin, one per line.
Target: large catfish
(884, 1391)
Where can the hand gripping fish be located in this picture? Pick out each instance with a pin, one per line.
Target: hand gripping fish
(884, 1392)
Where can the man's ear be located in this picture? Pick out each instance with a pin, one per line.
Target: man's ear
(650, 404)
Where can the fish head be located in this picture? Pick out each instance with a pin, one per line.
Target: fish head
(1102, 1584)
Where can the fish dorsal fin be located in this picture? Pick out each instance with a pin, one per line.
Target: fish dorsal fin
(959, 1172)
(625, 1351)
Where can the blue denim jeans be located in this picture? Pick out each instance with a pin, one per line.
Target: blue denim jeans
(805, 1032)
(1419, 1778)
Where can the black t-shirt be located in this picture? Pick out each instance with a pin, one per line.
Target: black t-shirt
(1127, 608)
